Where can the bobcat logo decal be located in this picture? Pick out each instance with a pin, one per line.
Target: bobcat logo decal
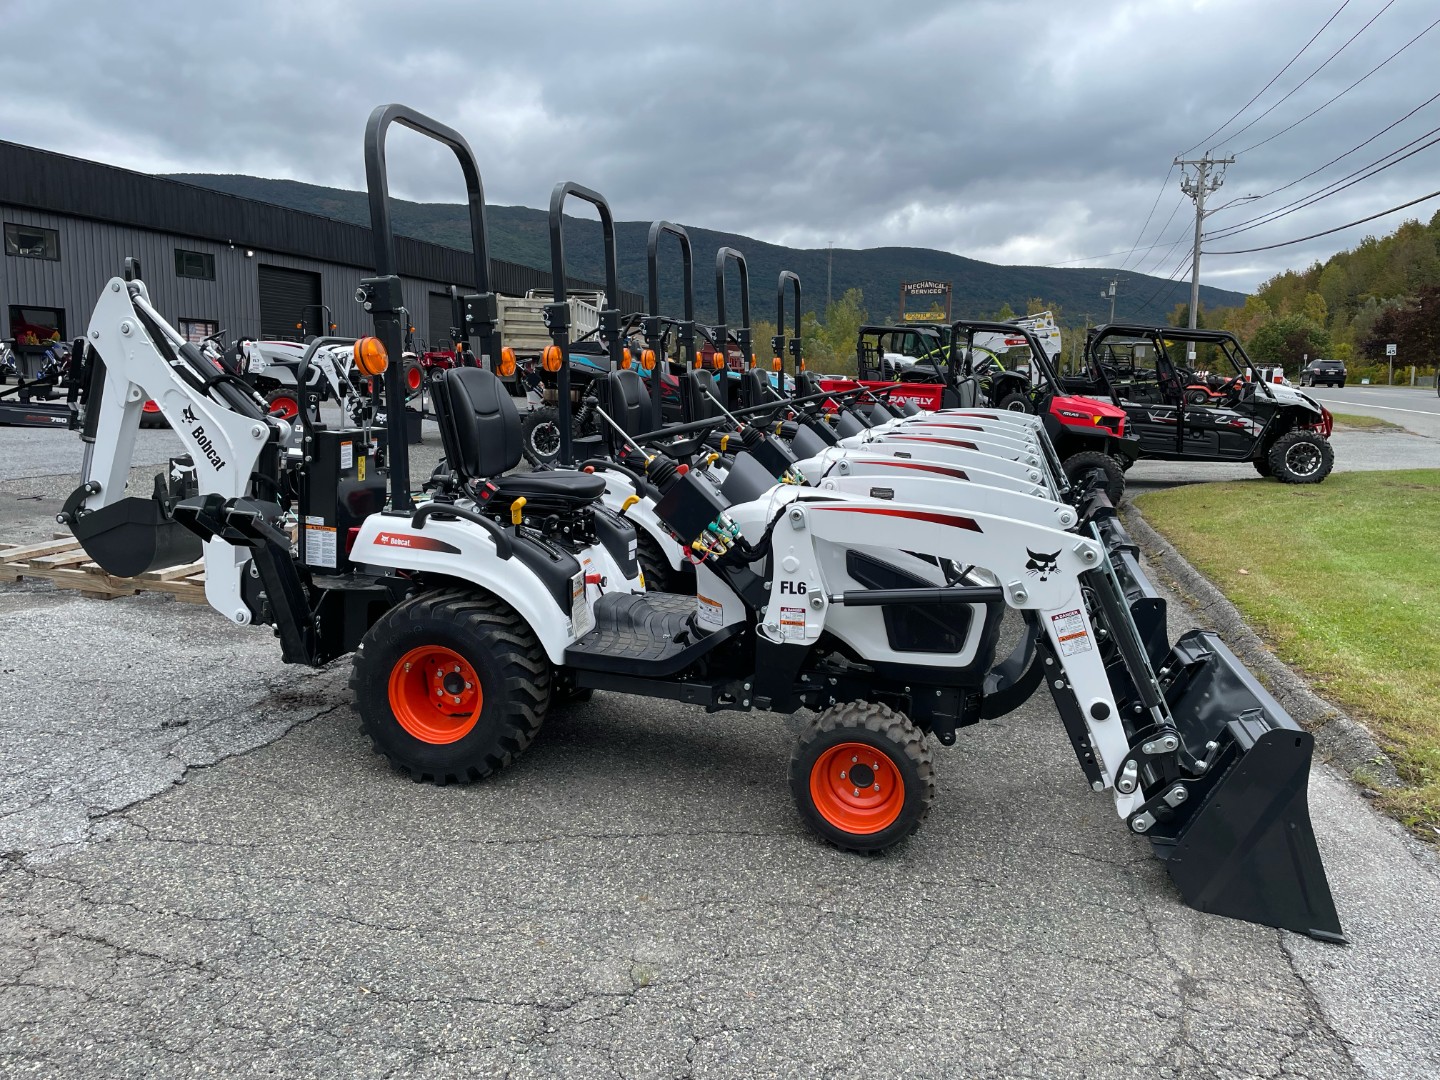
(1042, 565)
(189, 415)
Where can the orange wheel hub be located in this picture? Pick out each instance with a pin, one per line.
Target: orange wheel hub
(287, 407)
(414, 377)
(857, 788)
(435, 695)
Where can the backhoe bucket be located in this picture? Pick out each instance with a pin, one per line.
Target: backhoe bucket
(1240, 842)
(133, 536)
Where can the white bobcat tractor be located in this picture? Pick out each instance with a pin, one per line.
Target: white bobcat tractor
(878, 613)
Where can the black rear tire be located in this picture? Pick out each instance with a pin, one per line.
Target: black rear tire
(153, 420)
(660, 576)
(540, 435)
(1301, 457)
(1080, 467)
(890, 801)
(490, 641)
(1015, 401)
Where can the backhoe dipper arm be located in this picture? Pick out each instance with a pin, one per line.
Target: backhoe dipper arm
(221, 426)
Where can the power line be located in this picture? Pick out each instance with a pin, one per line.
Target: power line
(1169, 281)
(1269, 84)
(1317, 71)
(1321, 194)
(1342, 93)
(1327, 232)
(1141, 234)
(1347, 153)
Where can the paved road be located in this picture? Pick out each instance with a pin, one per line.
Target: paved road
(1415, 408)
(205, 872)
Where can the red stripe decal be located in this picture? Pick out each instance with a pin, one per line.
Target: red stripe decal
(415, 543)
(916, 515)
(896, 463)
(930, 439)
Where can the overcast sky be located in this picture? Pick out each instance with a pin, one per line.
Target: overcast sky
(1019, 132)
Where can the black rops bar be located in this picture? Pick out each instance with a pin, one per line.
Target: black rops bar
(778, 341)
(654, 338)
(721, 331)
(557, 314)
(382, 294)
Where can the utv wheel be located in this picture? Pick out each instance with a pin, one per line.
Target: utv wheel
(1262, 463)
(660, 576)
(540, 435)
(862, 776)
(1016, 402)
(1082, 467)
(1301, 457)
(451, 685)
(152, 417)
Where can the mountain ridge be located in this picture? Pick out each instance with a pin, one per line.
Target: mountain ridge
(521, 234)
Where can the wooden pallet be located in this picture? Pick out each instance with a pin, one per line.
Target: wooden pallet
(63, 561)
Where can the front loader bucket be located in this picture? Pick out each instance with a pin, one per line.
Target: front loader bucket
(1241, 845)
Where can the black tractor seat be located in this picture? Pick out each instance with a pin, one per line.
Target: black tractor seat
(481, 432)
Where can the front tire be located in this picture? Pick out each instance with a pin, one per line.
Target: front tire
(152, 417)
(1081, 467)
(451, 685)
(862, 776)
(1301, 457)
(1017, 402)
(540, 435)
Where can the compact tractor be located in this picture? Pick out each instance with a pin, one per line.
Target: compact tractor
(875, 607)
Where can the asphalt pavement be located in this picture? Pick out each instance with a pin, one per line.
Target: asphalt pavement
(204, 871)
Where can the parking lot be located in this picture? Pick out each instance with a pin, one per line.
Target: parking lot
(206, 871)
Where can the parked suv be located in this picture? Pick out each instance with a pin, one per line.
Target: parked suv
(1323, 373)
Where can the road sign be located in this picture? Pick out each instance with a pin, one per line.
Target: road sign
(1389, 350)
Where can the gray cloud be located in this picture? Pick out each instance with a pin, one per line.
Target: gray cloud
(1034, 131)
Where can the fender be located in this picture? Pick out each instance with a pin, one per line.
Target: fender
(462, 550)
(618, 490)
(878, 466)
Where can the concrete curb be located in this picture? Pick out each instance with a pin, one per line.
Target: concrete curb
(1343, 742)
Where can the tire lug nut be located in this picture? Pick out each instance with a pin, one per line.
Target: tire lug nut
(857, 791)
(877, 787)
(842, 774)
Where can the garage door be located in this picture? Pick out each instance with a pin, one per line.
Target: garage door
(284, 296)
(441, 321)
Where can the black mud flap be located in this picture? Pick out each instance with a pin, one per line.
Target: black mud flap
(134, 536)
(1241, 845)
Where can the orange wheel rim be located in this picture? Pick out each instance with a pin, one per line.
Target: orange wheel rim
(435, 695)
(857, 788)
(287, 407)
(413, 377)
(151, 407)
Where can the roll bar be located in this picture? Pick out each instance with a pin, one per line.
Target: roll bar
(778, 341)
(382, 294)
(557, 314)
(722, 334)
(654, 337)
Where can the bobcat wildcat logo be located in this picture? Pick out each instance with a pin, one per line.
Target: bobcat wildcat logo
(189, 415)
(1041, 564)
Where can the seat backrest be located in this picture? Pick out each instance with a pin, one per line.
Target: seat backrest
(627, 402)
(697, 389)
(478, 423)
(807, 443)
(967, 392)
(757, 387)
(807, 384)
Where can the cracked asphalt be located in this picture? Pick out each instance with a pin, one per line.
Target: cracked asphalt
(204, 871)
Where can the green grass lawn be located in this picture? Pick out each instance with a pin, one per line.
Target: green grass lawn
(1356, 422)
(1342, 580)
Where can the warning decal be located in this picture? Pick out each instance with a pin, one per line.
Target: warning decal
(710, 612)
(1070, 632)
(792, 623)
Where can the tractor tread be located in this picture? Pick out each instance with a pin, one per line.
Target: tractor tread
(520, 665)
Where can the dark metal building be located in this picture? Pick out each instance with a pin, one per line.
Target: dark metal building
(211, 261)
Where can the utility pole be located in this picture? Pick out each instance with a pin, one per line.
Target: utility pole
(829, 264)
(1109, 294)
(1206, 178)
